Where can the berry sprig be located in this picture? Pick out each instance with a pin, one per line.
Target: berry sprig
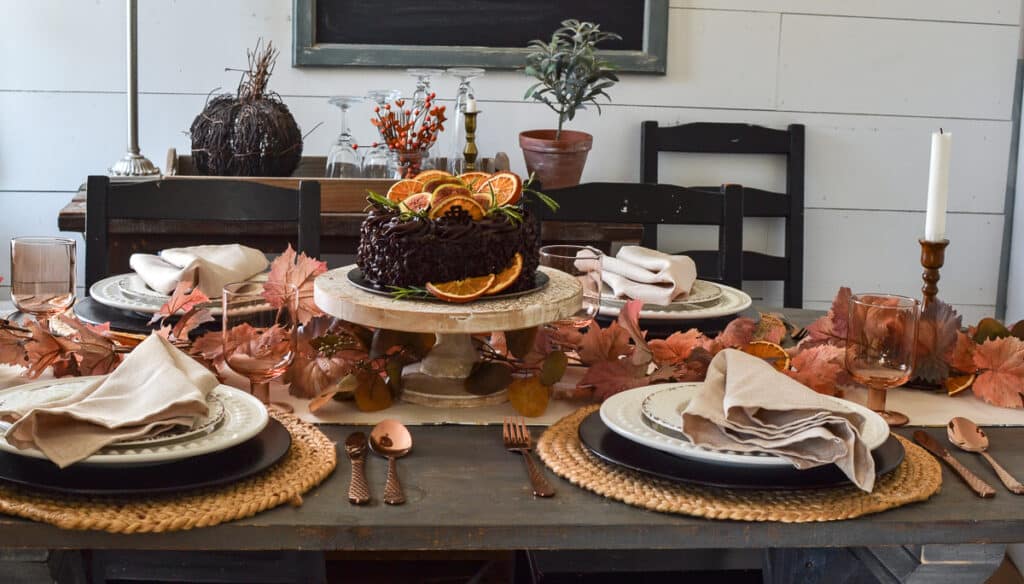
(409, 129)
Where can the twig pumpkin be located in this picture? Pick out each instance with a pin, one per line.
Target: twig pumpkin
(251, 133)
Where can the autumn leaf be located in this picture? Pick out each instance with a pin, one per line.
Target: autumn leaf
(936, 336)
(819, 368)
(45, 350)
(372, 393)
(1001, 380)
(95, 352)
(529, 396)
(298, 270)
(608, 378)
(346, 384)
(308, 377)
(189, 321)
(210, 346)
(737, 333)
(629, 319)
(12, 348)
(600, 344)
(961, 355)
(677, 347)
(832, 327)
(184, 298)
(770, 328)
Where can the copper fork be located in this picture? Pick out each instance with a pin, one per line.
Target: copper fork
(517, 439)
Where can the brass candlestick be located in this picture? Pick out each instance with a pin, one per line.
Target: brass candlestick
(470, 151)
(933, 255)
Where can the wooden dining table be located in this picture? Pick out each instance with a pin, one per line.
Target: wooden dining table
(467, 494)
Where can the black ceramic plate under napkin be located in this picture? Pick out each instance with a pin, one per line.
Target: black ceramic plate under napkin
(609, 446)
(234, 464)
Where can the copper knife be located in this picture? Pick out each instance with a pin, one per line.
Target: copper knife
(980, 487)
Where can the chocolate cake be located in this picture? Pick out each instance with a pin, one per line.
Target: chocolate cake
(403, 250)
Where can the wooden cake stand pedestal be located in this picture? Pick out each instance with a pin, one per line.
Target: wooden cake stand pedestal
(439, 380)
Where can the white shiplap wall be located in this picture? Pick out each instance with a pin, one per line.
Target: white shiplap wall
(869, 79)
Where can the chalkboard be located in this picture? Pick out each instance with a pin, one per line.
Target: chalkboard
(482, 33)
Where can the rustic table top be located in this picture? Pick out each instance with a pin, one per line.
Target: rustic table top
(465, 492)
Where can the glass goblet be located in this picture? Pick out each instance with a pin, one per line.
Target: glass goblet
(584, 264)
(43, 275)
(260, 341)
(344, 160)
(422, 75)
(377, 161)
(881, 338)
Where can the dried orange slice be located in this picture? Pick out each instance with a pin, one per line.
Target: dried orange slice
(507, 186)
(465, 290)
(957, 383)
(446, 191)
(484, 200)
(415, 203)
(506, 277)
(431, 184)
(431, 174)
(403, 188)
(474, 178)
(770, 352)
(468, 204)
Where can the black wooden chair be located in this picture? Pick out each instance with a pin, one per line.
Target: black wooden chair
(723, 138)
(651, 205)
(241, 210)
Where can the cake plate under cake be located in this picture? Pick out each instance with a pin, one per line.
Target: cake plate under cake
(439, 379)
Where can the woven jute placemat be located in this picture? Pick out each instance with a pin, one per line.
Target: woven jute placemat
(309, 461)
(916, 479)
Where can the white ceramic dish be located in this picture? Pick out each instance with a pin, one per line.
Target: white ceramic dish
(731, 302)
(244, 417)
(129, 292)
(702, 295)
(623, 413)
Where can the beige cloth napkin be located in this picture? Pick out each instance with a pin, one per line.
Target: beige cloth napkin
(748, 406)
(645, 274)
(156, 387)
(212, 266)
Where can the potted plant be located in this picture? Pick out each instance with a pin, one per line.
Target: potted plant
(569, 74)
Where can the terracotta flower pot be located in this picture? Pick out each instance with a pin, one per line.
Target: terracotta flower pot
(557, 163)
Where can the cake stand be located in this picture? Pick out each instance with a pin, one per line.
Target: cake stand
(439, 379)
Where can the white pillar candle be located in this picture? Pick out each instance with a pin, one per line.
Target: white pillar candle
(938, 187)
(470, 106)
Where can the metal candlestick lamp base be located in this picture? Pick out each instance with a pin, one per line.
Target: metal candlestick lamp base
(134, 164)
(933, 256)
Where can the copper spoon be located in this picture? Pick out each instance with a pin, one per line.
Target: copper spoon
(391, 440)
(966, 435)
(358, 489)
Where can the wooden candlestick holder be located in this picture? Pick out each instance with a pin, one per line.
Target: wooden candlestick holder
(933, 255)
(470, 151)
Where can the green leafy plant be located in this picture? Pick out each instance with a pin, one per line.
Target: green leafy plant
(569, 72)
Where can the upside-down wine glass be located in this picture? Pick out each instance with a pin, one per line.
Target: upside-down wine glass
(456, 162)
(880, 343)
(260, 340)
(584, 264)
(42, 275)
(377, 161)
(419, 96)
(344, 160)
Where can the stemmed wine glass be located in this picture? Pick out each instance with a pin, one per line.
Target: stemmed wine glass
(422, 76)
(880, 343)
(378, 162)
(260, 341)
(583, 263)
(343, 160)
(43, 275)
(456, 162)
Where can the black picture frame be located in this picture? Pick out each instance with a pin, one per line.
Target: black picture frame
(307, 52)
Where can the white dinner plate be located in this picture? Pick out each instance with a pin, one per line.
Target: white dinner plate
(703, 294)
(244, 417)
(623, 413)
(129, 292)
(731, 302)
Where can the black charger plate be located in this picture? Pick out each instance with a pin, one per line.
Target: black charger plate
(356, 277)
(89, 311)
(210, 470)
(611, 447)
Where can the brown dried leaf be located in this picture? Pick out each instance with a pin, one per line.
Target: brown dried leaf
(677, 347)
(1001, 380)
(520, 342)
(961, 356)
(600, 344)
(553, 369)
(45, 350)
(372, 394)
(188, 322)
(12, 348)
(936, 337)
(737, 333)
(770, 328)
(298, 270)
(345, 385)
(184, 298)
(96, 354)
(529, 396)
(819, 368)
